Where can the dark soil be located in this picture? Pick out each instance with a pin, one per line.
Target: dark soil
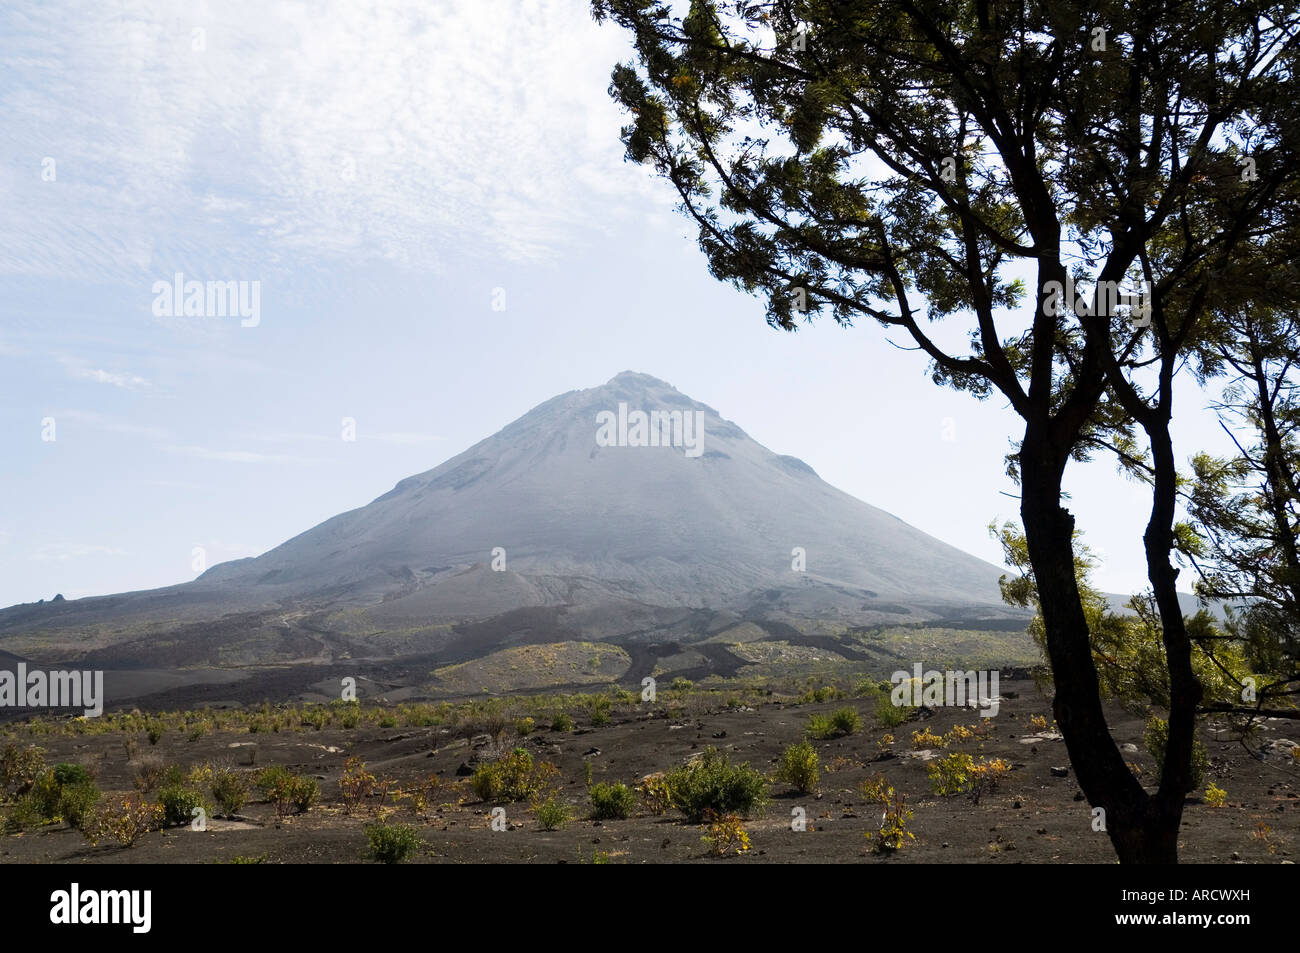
(1032, 817)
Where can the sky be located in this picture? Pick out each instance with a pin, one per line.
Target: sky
(432, 205)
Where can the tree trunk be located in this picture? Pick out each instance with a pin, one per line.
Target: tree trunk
(1139, 832)
(1184, 688)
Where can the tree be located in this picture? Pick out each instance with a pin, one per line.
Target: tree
(1246, 508)
(902, 160)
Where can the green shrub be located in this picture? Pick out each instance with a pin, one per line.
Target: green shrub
(524, 727)
(1156, 738)
(711, 783)
(562, 722)
(179, 804)
(889, 715)
(612, 801)
(69, 774)
(552, 814)
(302, 794)
(29, 812)
(514, 778)
(230, 791)
(392, 843)
(799, 767)
(286, 790)
(842, 721)
(77, 802)
(846, 721)
(599, 711)
(271, 779)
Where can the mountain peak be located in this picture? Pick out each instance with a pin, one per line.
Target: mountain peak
(636, 377)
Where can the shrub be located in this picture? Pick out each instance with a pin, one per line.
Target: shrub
(958, 734)
(925, 738)
(77, 802)
(711, 783)
(230, 790)
(288, 791)
(1156, 737)
(877, 790)
(552, 814)
(155, 733)
(893, 832)
(656, 795)
(20, 767)
(889, 715)
(356, 783)
(845, 721)
(122, 819)
(611, 801)
(271, 779)
(302, 794)
(392, 843)
(960, 773)
(514, 778)
(29, 812)
(599, 711)
(725, 835)
(798, 767)
(179, 804)
(69, 774)
(820, 726)
(525, 727)
(1216, 796)
(562, 722)
(149, 773)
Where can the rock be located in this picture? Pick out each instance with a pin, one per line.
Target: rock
(1278, 750)
(590, 751)
(1236, 856)
(1128, 748)
(1016, 805)
(464, 770)
(720, 734)
(1060, 772)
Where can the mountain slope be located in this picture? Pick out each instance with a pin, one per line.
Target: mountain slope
(620, 542)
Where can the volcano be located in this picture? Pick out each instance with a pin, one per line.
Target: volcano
(626, 512)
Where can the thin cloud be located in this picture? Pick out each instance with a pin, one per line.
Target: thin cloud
(82, 370)
(303, 133)
(241, 456)
(108, 424)
(404, 438)
(60, 552)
